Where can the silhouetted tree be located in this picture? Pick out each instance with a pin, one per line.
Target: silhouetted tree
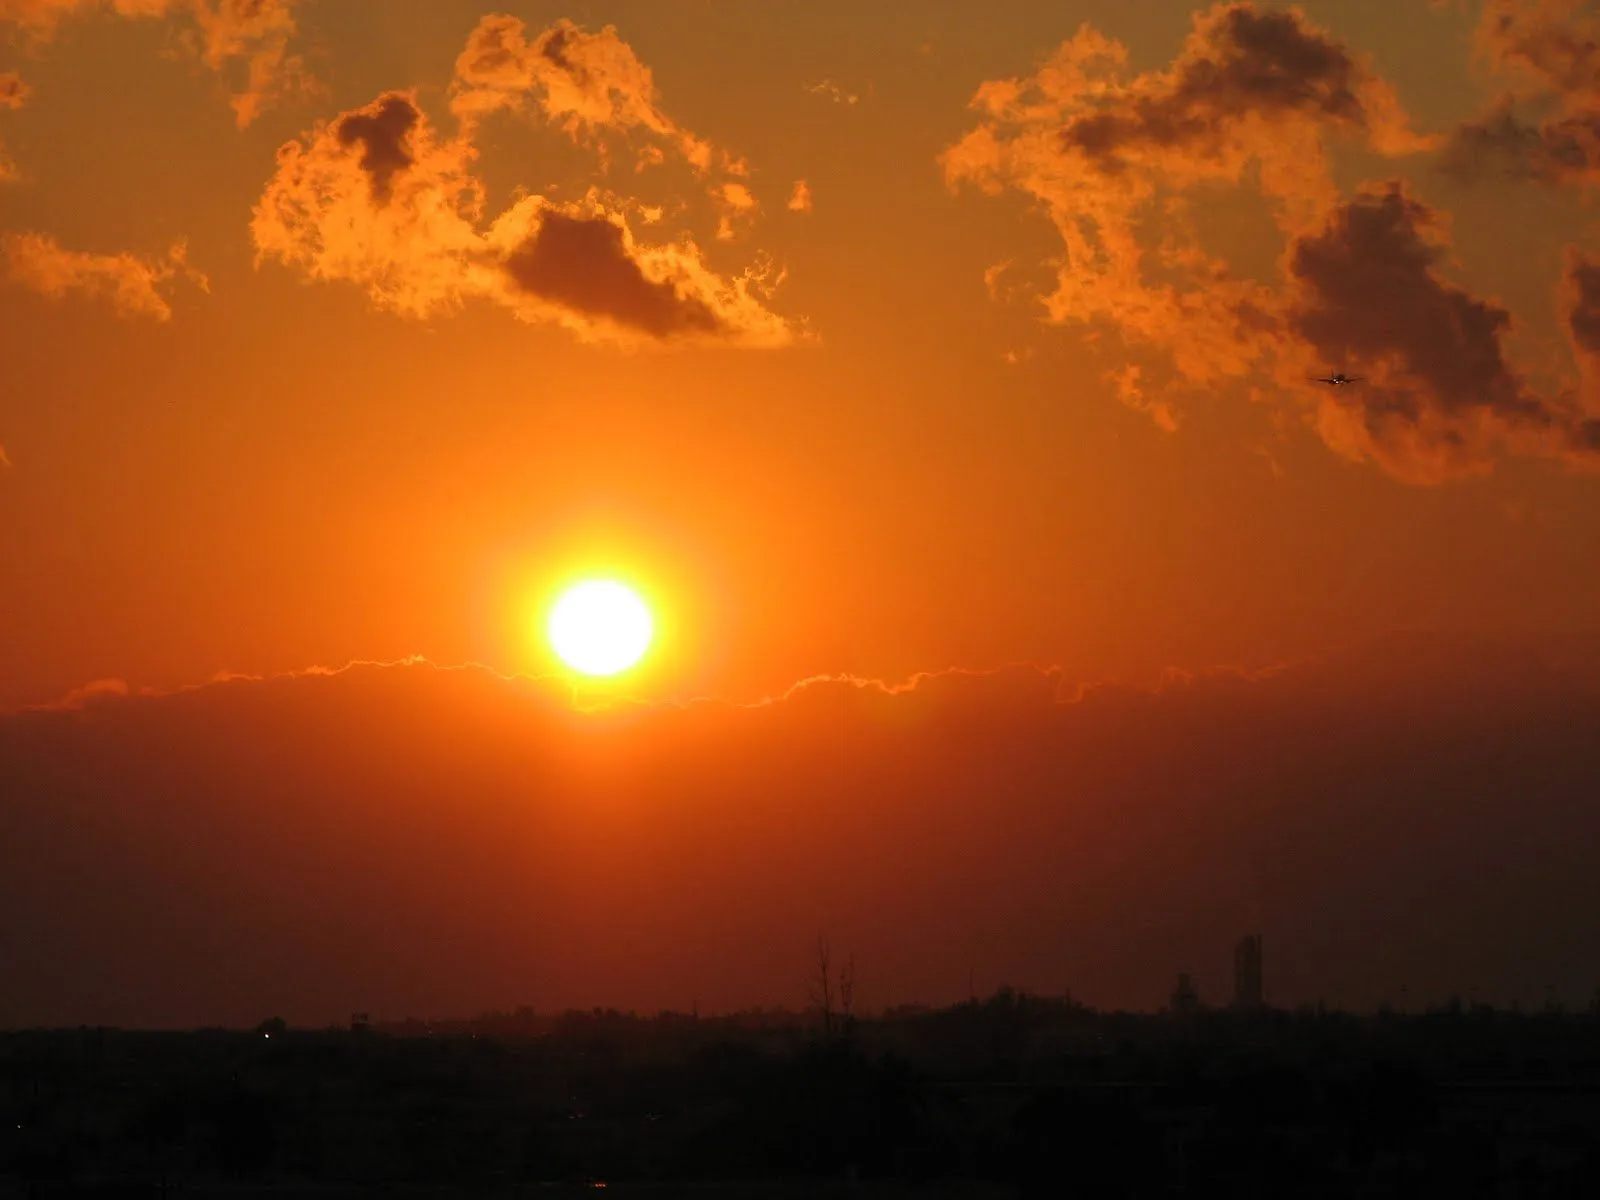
(833, 997)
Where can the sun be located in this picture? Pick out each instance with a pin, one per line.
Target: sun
(600, 627)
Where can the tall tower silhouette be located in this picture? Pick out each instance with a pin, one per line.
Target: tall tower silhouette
(1247, 974)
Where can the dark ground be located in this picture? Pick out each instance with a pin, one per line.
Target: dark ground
(1011, 1096)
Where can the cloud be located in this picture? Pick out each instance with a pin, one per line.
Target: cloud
(14, 94)
(1441, 397)
(832, 91)
(800, 198)
(585, 263)
(395, 838)
(1131, 392)
(738, 207)
(130, 283)
(1253, 94)
(1544, 125)
(379, 199)
(587, 83)
(246, 39)
(89, 693)
(1579, 304)
(592, 86)
(384, 133)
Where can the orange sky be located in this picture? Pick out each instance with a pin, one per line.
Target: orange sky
(865, 339)
(230, 464)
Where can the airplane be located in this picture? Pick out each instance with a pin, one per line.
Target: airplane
(1337, 380)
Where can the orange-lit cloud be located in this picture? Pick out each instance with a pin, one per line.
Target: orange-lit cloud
(1252, 91)
(13, 95)
(587, 83)
(1579, 303)
(1261, 91)
(592, 86)
(13, 91)
(1130, 389)
(247, 40)
(738, 207)
(800, 198)
(830, 90)
(1545, 123)
(130, 283)
(1441, 397)
(379, 199)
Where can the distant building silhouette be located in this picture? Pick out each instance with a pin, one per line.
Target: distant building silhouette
(1185, 996)
(1247, 974)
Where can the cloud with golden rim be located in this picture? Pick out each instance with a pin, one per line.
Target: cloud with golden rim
(1441, 398)
(588, 84)
(1544, 124)
(1256, 95)
(1252, 92)
(246, 41)
(131, 284)
(593, 87)
(380, 199)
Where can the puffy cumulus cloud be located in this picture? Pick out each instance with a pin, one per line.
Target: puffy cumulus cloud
(800, 197)
(738, 206)
(1253, 94)
(588, 83)
(1545, 123)
(131, 284)
(592, 86)
(379, 199)
(1441, 397)
(383, 131)
(587, 265)
(256, 35)
(246, 40)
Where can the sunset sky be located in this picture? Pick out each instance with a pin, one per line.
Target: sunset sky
(939, 374)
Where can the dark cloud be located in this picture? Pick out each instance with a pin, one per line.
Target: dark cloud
(1556, 151)
(1582, 303)
(384, 129)
(14, 92)
(584, 264)
(1443, 395)
(1242, 62)
(1545, 126)
(1253, 100)
(410, 839)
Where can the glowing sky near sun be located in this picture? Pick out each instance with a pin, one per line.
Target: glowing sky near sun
(873, 340)
(938, 375)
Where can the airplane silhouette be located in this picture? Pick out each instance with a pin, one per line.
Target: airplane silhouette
(1337, 380)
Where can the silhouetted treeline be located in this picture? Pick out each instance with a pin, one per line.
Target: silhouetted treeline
(1016, 1094)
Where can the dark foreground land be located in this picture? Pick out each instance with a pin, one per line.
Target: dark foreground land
(1012, 1096)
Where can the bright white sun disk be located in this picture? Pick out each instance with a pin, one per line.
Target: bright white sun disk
(600, 627)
